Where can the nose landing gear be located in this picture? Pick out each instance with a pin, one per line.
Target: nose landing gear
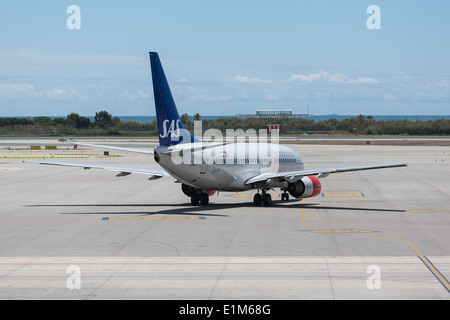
(284, 195)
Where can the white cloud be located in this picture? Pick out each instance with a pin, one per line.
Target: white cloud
(363, 80)
(271, 97)
(191, 94)
(14, 91)
(321, 95)
(389, 96)
(26, 91)
(309, 78)
(69, 65)
(55, 93)
(443, 84)
(58, 83)
(133, 95)
(335, 78)
(243, 79)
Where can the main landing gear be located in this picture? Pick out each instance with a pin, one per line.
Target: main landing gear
(197, 196)
(201, 198)
(265, 199)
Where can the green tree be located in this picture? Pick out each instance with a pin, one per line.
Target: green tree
(45, 121)
(78, 121)
(187, 123)
(103, 119)
(60, 121)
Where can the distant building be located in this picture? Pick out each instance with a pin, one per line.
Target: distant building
(274, 113)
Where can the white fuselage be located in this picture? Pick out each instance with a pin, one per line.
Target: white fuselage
(226, 167)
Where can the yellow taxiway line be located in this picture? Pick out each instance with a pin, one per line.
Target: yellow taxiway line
(424, 259)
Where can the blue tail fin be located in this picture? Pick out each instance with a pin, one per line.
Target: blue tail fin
(170, 129)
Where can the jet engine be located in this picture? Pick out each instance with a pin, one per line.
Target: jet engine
(307, 187)
(191, 191)
(188, 190)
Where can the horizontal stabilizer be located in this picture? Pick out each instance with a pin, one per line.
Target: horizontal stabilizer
(145, 151)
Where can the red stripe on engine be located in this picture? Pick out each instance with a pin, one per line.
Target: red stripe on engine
(317, 187)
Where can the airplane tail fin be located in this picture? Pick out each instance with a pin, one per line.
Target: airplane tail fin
(170, 129)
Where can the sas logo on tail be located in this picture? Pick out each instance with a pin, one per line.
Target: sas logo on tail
(171, 128)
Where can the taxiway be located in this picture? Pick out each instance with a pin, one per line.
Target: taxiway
(134, 238)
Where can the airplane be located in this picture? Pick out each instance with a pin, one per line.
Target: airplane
(204, 168)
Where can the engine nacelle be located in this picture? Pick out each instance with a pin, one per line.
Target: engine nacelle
(307, 187)
(190, 191)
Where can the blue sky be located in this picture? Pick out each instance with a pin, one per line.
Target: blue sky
(225, 57)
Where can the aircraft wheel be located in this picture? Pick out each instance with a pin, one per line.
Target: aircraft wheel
(267, 200)
(204, 199)
(195, 200)
(257, 199)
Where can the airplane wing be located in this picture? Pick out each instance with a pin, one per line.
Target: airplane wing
(293, 176)
(145, 151)
(154, 173)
